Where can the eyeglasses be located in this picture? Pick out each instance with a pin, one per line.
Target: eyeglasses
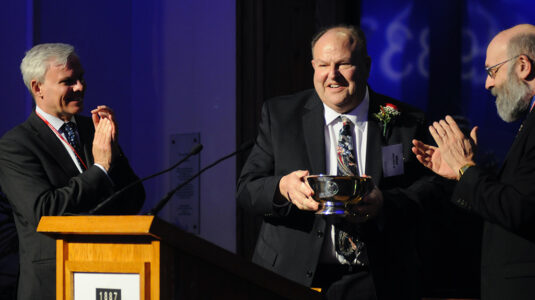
(492, 70)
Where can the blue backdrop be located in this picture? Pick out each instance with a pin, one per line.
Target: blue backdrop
(432, 54)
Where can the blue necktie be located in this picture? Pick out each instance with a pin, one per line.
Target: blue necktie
(71, 134)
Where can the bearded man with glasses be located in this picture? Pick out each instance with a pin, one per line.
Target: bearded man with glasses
(506, 201)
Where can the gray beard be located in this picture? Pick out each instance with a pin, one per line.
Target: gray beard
(512, 98)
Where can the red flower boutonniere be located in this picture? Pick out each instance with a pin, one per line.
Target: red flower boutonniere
(386, 115)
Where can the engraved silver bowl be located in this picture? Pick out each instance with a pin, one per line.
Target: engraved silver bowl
(337, 193)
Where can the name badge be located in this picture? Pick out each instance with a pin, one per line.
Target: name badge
(393, 160)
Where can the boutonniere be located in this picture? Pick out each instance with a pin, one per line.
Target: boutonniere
(387, 114)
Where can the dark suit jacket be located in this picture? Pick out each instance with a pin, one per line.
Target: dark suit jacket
(39, 179)
(507, 203)
(291, 137)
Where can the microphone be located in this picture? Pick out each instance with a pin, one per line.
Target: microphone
(167, 197)
(194, 150)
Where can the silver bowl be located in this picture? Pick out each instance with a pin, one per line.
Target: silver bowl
(337, 193)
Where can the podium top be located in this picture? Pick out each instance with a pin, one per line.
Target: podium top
(107, 225)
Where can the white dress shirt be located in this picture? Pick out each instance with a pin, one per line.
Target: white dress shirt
(333, 124)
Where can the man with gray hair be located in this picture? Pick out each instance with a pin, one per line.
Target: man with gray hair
(58, 162)
(506, 201)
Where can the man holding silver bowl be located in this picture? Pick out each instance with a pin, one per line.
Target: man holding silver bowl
(333, 175)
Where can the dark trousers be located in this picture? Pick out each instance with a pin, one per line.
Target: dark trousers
(344, 282)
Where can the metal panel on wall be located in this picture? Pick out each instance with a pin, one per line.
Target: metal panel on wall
(183, 209)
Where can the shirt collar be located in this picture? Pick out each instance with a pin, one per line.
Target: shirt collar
(53, 120)
(358, 114)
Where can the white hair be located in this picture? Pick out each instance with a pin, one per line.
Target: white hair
(522, 44)
(37, 60)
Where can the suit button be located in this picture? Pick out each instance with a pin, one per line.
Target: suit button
(463, 203)
(309, 274)
(320, 233)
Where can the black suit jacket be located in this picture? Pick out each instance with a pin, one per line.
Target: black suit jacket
(507, 204)
(39, 179)
(291, 137)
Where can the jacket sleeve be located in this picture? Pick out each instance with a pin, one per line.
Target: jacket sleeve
(257, 184)
(508, 202)
(131, 201)
(36, 187)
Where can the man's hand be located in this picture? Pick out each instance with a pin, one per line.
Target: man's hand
(455, 149)
(368, 208)
(104, 112)
(102, 143)
(295, 189)
(430, 157)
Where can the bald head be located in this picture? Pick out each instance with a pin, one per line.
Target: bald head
(354, 35)
(516, 44)
(511, 71)
(507, 43)
(516, 30)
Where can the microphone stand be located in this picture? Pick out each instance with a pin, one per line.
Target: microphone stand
(194, 150)
(167, 197)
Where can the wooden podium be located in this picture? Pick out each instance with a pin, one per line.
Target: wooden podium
(168, 262)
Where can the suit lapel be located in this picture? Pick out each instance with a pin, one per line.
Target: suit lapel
(374, 159)
(86, 138)
(53, 145)
(313, 123)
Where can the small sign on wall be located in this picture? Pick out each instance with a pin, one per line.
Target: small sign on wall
(183, 209)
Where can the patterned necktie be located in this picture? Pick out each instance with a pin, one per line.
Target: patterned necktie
(346, 162)
(347, 241)
(70, 132)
